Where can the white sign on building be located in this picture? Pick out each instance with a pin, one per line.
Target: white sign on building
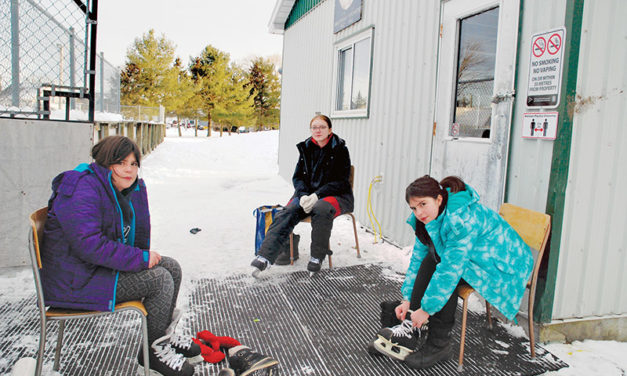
(545, 69)
(542, 125)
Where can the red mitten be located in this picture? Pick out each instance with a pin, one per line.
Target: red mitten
(209, 339)
(228, 342)
(209, 354)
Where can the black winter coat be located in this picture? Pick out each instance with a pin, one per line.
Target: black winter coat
(324, 171)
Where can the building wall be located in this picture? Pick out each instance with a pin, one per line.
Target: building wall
(591, 278)
(395, 141)
(33, 152)
(530, 160)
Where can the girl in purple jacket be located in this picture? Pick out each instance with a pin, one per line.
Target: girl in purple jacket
(96, 251)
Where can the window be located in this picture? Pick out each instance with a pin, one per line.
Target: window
(475, 75)
(352, 76)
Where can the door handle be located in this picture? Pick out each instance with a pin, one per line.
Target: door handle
(503, 96)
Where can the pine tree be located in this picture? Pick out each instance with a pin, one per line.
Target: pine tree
(150, 77)
(265, 89)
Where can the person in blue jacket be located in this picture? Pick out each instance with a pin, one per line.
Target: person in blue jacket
(321, 190)
(96, 251)
(458, 240)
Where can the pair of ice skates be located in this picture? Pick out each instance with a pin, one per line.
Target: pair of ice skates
(260, 264)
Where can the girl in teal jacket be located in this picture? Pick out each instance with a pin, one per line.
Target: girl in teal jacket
(458, 240)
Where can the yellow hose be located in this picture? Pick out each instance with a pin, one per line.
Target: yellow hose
(370, 211)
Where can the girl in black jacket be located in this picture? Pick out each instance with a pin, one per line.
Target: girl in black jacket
(321, 190)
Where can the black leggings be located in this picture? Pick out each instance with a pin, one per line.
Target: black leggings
(445, 318)
(159, 289)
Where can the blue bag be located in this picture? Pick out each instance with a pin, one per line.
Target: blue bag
(265, 215)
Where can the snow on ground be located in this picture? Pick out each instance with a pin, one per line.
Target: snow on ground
(215, 183)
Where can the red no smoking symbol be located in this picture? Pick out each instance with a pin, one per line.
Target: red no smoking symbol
(555, 42)
(539, 45)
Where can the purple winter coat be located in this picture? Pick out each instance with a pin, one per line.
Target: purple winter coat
(82, 248)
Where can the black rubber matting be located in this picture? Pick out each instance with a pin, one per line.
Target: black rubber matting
(317, 326)
(321, 325)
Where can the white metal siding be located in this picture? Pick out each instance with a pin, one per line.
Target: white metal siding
(591, 278)
(530, 160)
(395, 141)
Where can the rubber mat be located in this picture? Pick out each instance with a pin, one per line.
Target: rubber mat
(314, 326)
(321, 325)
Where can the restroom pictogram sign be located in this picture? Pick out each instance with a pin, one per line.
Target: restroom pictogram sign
(545, 69)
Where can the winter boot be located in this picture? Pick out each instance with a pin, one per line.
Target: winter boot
(164, 360)
(246, 362)
(398, 341)
(284, 256)
(437, 348)
(388, 314)
(259, 264)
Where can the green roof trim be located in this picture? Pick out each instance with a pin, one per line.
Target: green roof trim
(560, 164)
(300, 8)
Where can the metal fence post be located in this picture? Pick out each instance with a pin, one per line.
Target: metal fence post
(15, 53)
(101, 81)
(72, 67)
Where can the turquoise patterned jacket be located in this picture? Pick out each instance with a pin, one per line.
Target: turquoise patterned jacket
(476, 244)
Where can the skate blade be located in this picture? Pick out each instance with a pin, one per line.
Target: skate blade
(263, 368)
(256, 273)
(390, 349)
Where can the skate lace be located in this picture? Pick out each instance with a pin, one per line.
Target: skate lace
(182, 340)
(406, 329)
(166, 354)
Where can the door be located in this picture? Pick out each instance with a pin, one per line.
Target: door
(475, 94)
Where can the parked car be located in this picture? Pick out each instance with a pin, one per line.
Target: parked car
(242, 129)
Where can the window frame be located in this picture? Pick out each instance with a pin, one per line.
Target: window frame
(340, 46)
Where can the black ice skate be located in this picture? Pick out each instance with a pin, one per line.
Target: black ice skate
(245, 361)
(164, 360)
(398, 341)
(259, 264)
(226, 372)
(183, 344)
(314, 266)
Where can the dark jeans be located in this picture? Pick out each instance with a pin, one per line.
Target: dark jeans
(322, 216)
(445, 318)
(159, 289)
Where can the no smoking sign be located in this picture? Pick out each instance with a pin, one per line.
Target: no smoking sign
(545, 69)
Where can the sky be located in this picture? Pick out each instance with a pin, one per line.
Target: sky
(214, 183)
(239, 27)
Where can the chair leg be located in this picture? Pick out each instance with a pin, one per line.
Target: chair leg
(145, 345)
(292, 248)
(487, 311)
(462, 341)
(532, 335)
(42, 348)
(57, 352)
(355, 232)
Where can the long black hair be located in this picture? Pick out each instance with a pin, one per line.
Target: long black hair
(427, 186)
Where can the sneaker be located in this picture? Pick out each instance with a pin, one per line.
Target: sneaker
(259, 264)
(398, 341)
(226, 372)
(183, 344)
(245, 361)
(164, 360)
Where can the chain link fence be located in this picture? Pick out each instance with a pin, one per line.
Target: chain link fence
(473, 112)
(44, 61)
